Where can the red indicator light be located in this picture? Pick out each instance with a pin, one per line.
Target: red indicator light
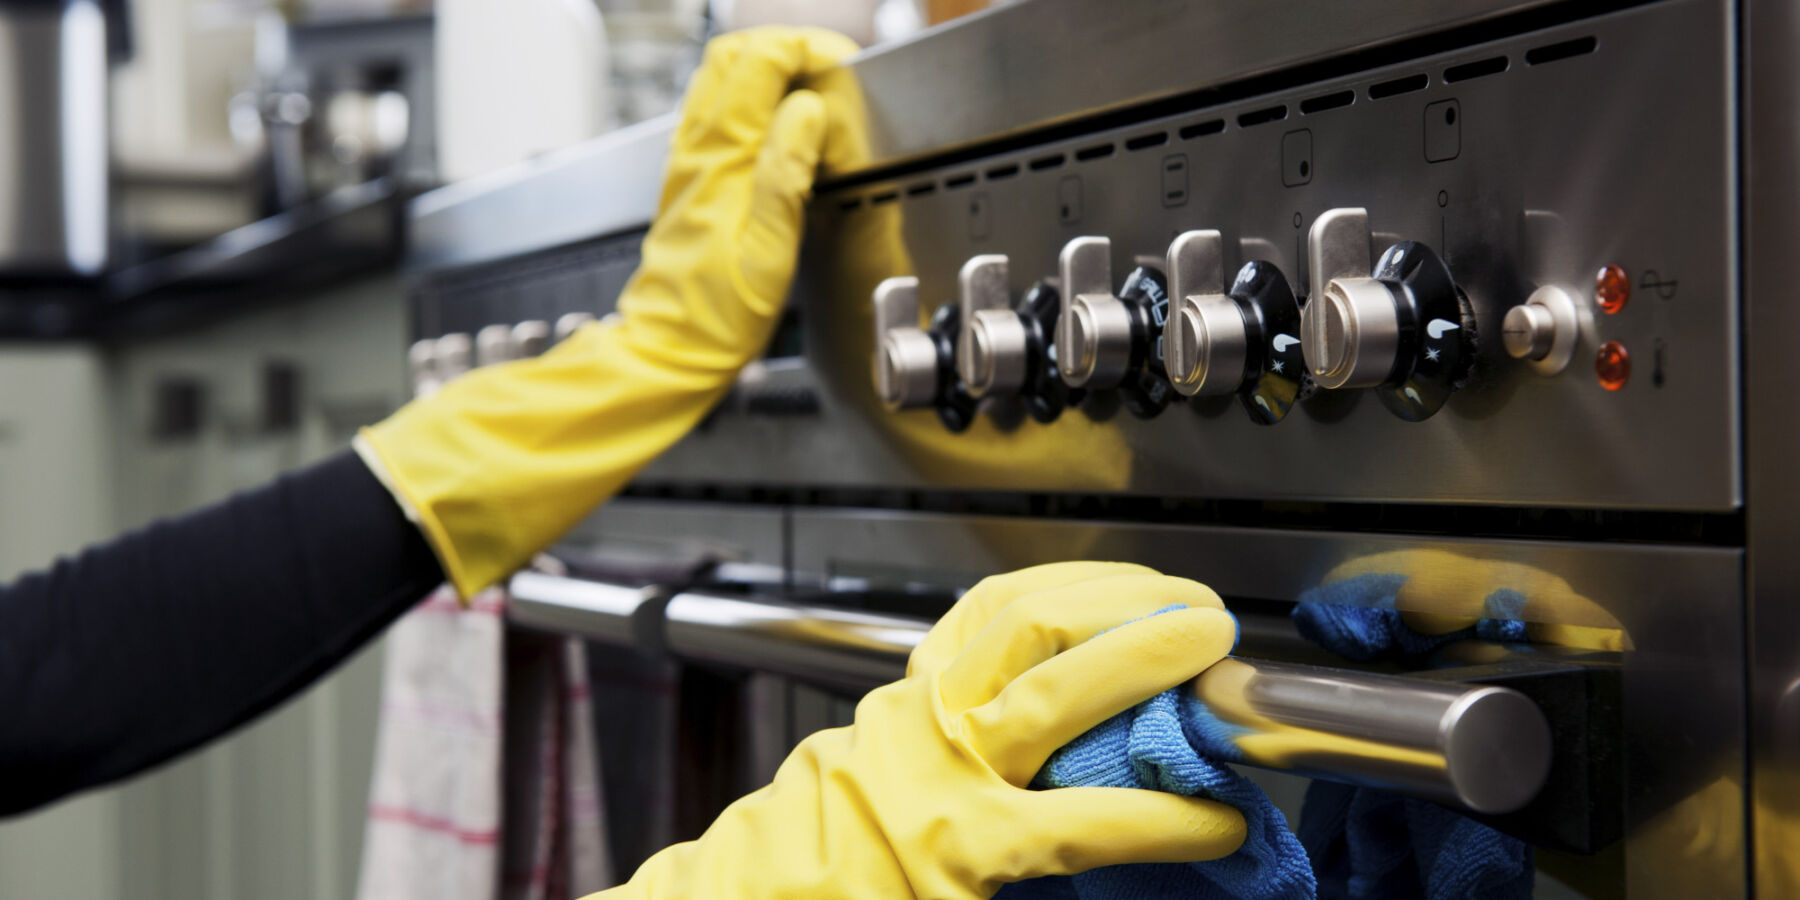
(1612, 365)
(1612, 287)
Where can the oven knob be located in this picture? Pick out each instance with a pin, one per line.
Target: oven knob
(1093, 344)
(1405, 326)
(1109, 340)
(530, 338)
(1544, 330)
(992, 350)
(1239, 340)
(906, 357)
(493, 344)
(1206, 343)
(569, 323)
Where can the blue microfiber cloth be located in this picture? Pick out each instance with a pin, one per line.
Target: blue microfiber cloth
(1367, 843)
(1173, 743)
(1362, 843)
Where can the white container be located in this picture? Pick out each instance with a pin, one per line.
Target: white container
(516, 79)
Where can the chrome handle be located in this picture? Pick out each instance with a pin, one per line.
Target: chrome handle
(1483, 748)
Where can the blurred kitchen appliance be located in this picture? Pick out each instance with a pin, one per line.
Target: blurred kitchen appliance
(54, 58)
(1278, 297)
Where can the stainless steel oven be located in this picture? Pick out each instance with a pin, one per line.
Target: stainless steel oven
(1482, 295)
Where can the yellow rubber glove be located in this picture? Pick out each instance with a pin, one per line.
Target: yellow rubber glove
(925, 796)
(504, 460)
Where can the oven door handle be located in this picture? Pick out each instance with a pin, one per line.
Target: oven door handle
(1477, 747)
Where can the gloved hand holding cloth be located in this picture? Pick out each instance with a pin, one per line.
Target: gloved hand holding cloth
(928, 794)
(504, 460)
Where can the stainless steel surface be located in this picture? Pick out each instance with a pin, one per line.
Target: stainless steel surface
(1483, 748)
(1509, 436)
(528, 207)
(1206, 341)
(1016, 53)
(591, 609)
(1093, 343)
(1771, 217)
(813, 642)
(1675, 612)
(1020, 56)
(990, 352)
(906, 358)
(53, 139)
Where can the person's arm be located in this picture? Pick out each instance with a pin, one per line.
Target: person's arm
(137, 650)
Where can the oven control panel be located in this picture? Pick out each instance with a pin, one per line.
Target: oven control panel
(1502, 273)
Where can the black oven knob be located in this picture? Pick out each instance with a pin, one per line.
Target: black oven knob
(1045, 393)
(1107, 340)
(1146, 389)
(1401, 325)
(1242, 340)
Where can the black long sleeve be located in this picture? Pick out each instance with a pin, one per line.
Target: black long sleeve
(140, 649)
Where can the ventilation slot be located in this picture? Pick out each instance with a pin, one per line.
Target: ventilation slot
(920, 190)
(1046, 162)
(1550, 53)
(886, 197)
(998, 172)
(1258, 117)
(1324, 102)
(1098, 151)
(1480, 68)
(852, 203)
(1146, 141)
(1202, 129)
(959, 181)
(1399, 86)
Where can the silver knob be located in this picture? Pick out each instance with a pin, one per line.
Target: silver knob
(1093, 343)
(906, 374)
(421, 363)
(1350, 327)
(493, 344)
(991, 351)
(1544, 329)
(530, 338)
(569, 323)
(452, 355)
(1206, 344)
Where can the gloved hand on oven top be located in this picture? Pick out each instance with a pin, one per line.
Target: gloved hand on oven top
(504, 460)
(927, 796)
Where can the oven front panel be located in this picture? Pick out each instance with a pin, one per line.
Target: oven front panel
(1532, 161)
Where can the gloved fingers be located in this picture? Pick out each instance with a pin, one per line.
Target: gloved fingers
(1058, 700)
(957, 627)
(1039, 625)
(1070, 830)
(731, 99)
(784, 179)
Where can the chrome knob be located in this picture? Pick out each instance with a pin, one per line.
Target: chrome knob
(452, 355)
(906, 357)
(421, 363)
(569, 323)
(1350, 328)
(1544, 330)
(1093, 343)
(1206, 344)
(493, 344)
(530, 338)
(991, 352)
